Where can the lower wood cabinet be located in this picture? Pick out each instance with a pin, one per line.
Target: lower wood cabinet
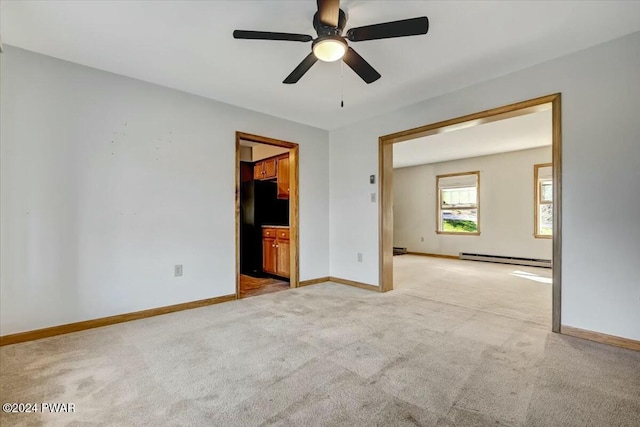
(269, 255)
(276, 251)
(283, 258)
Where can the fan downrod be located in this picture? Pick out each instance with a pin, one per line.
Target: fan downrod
(325, 30)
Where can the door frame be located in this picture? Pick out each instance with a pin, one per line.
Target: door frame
(294, 204)
(385, 184)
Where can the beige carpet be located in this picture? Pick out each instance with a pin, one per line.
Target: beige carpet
(510, 290)
(327, 355)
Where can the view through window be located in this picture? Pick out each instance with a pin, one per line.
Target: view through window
(458, 201)
(543, 188)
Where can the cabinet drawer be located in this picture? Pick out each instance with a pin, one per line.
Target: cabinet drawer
(282, 233)
(269, 232)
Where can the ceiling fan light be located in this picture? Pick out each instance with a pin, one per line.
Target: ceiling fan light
(329, 49)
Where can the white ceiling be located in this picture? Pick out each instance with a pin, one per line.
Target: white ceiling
(188, 45)
(502, 136)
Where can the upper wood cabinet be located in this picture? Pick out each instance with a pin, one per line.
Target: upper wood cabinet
(274, 167)
(265, 169)
(258, 170)
(270, 167)
(283, 177)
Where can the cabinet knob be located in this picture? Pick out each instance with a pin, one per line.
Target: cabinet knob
(276, 246)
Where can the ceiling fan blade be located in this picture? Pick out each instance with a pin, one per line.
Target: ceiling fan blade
(328, 12)
(266, 35)
(360, 66)
(387, 30)
(301, 69)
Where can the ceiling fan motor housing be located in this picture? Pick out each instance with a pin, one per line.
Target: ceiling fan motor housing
(325, 30)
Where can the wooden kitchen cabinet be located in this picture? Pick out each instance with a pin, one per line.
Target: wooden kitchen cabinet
(258, 169)
(265, 169)
(282, 258)
(276, 251)
(270, 167)
(283, 177)
(269, 256)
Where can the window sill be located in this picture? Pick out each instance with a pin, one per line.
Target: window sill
(452, 233)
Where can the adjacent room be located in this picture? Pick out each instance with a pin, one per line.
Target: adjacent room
(200, 201)
(264, 218)
(473, 216)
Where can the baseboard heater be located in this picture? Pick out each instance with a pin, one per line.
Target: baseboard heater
(532, 262)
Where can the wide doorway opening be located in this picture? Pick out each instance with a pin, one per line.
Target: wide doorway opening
(470, 211)
(266, 215)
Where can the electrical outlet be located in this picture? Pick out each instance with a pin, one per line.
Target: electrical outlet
(177, 270)
(373, 197)
(359, 257)
(422, 239)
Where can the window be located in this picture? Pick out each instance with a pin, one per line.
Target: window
(543, 193)
(458, 202)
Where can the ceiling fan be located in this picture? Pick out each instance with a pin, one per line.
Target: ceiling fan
(329, 22)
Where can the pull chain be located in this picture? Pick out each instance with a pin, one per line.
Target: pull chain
(341, 84)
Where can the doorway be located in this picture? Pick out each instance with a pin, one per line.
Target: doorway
(267, 220)
(513, 110)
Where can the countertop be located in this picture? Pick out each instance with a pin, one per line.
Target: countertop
(275, 226)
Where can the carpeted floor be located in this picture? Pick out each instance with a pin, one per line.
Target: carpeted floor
(327, 355)
(509, 290)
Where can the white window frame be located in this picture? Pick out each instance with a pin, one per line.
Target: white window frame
(537, 201)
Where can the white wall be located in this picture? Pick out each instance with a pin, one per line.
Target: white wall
(107, 182)
(246, 154)
(600, 103)
(262, 151)
(506, 206)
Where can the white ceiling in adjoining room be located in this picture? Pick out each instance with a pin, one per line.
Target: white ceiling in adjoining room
(188, 45)
(503, 136)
